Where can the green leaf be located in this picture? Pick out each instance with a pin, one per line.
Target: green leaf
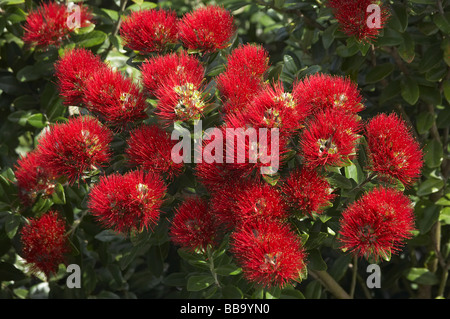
(228, 270)
(442, 21)
(199, 282)
(379, 72)
(291, 293)
(175, 279)
(446, 89)
(421, 276)
(107, 235)
(433, 153)
(406, 50)
(37, 120)
(339, 181)
(315, 260)
(58, 195)
(409, 90)
(12, 223)
(328, 35)
(399, 18)
(430, 95)
(90, 39)
(427, 214)
(10, 272)
(19, 117)
(430, 186)
(431, 57)
(232, 292)
(424, 122)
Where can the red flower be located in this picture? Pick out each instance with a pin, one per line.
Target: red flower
(305, 190)
(149, 30)
(247, 200)
(237, 90)
(269, 252)
(393, 151)
(127, 202)
(323, 91)
(114, 97)
(249, 59)
(377, 224)
(45, 243)
(193, 226)
(207, 29)
(180, 101)
(330, 139)
(243, 77)
(150, 147)
(72, 71)
(75, 148)
(34, 178)
(355, 18)
(48, 24)
(272, 107)
(158, 69)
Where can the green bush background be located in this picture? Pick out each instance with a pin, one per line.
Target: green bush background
(406, 71)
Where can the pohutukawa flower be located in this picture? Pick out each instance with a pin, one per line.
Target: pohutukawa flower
(393, 151)
(180, 101)
(272, 107)
(243, 77)
(237, 90)
(207, 29)
(323, 91)
(72, 70)
(76, 148)
(34, 178)
(305, 190)
(149, 30)
(48, 24)
(150, 148)
(376, 225)
(193, 226)
(44, 243)
(158, 69)
(269, 252)
(129, 202)
(249, 200)
(249, 59)
(356, 17)
(330, 139)
(115, 98)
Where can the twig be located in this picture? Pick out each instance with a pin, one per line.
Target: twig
(330, 284)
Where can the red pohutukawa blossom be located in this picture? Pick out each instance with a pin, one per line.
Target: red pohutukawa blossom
(34, 178)
(269, 252)
(360, 18)
(44, 243)
(272, 107)
(393, 151)
(307, 191)
(248, 200)
(206, 29)
(180, 101)
(150, 147)
(243, 77)
(72, 71)
(76, 148)
(376, 225)
(330, 139)
(158, 69)
(149, 30)
(250, 59)
(51, 23)
(193, 226)
(115, 98)
(323, 91)
(129, 202)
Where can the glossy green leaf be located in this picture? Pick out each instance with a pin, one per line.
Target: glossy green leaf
(379, 72)
(433, 153)
(199, 282)
(421, 276)
(410, 90)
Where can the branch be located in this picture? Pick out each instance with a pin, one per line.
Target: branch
(330, 284)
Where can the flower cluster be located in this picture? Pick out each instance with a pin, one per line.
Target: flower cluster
(356, 17)
(315, 127)
(45, 243)
(48, 25)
